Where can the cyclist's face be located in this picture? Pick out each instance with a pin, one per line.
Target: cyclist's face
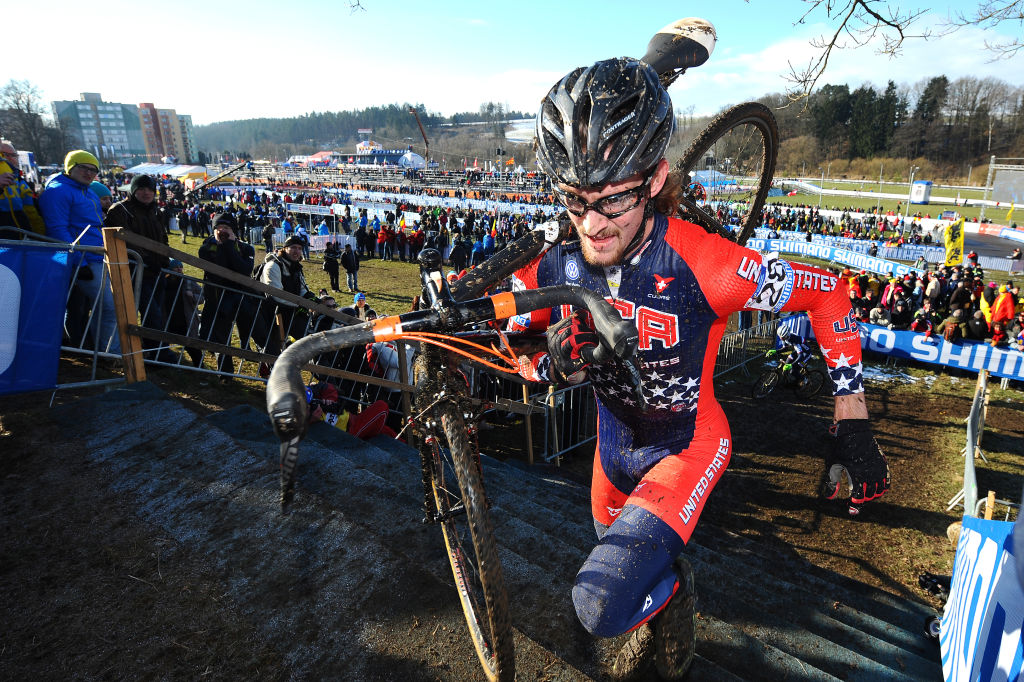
(605, 239)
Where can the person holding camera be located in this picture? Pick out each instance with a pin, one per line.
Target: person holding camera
(225, 304)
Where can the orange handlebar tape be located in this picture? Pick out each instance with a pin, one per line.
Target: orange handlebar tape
(504, 305)
(387, 328)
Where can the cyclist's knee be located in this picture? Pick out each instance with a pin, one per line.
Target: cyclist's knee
(599, 605)
(627, 576)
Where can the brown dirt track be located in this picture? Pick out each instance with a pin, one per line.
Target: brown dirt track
(90, 591)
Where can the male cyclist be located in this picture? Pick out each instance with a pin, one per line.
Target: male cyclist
(602, 132)
(794, 350)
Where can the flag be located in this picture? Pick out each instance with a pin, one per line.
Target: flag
(1009, 214)
(791, 194)
(33, 291)
(955, 243)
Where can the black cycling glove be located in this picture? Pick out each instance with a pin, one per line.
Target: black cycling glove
(568, 340)
(856, 452)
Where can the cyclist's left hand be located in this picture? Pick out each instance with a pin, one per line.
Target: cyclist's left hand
(857, 453)
(567, 340)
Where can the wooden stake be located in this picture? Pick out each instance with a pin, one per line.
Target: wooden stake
(528, 422)
(116, 259)
(990, 504)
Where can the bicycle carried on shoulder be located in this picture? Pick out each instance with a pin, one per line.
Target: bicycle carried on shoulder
(452, 329)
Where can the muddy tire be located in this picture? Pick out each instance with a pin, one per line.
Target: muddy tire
(744, 142)
(810, 384)
(766, 383)
(469, 540)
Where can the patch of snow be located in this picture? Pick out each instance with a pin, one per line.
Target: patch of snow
(884, 374)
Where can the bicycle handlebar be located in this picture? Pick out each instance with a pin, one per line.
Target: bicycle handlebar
(286, 394)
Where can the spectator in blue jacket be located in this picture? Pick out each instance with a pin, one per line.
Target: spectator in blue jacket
(70, 209)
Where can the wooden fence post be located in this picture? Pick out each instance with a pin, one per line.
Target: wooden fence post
(116, 259)
(528, 422)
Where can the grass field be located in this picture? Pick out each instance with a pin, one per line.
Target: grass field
(869, 203)
(895, 188)
(996, 215)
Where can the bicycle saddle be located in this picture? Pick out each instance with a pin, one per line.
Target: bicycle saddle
(683, 44)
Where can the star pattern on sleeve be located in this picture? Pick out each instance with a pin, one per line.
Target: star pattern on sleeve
(847, 378)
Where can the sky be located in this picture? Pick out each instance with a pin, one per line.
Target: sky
(232, 60)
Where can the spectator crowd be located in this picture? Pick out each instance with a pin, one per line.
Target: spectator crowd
(954, 303)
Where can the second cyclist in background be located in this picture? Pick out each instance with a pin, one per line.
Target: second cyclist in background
(794, 353)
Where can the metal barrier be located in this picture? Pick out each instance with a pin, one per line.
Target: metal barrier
(237, 326)
(84, 309)
(968, 495)
(245, 324)
(739, 348)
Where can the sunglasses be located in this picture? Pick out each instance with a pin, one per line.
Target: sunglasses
(611, 206)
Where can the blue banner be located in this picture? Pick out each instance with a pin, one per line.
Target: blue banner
(980, 633)
(33, 295)
(973, 356)
(821, 251)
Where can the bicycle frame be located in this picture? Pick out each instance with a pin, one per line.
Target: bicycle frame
(442, 313)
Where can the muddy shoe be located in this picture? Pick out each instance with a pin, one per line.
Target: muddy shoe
(675, 628)
(636, 655)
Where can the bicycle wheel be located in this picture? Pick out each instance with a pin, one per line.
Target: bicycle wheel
(469, 539)
(733, 160)
(810, 384)
(766, 383)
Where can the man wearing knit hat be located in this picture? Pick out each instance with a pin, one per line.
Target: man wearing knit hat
(225, 304)
(72, 212)
(138, 214)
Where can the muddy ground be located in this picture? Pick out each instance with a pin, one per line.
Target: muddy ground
(90, 591)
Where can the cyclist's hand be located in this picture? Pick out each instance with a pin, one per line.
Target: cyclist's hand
(856, 452)
(771, 352)
(567, 341)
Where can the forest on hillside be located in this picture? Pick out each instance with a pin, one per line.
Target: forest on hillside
(949, 129)
(394, 126)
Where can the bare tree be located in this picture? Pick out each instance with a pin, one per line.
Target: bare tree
(858, 22)
(989, 14)
(24, 114)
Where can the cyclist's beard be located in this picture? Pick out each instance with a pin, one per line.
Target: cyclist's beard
(605, 255)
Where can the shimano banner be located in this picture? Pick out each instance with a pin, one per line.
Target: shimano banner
(973, 356)
(980, 634)
(33, 287)
(821, 251)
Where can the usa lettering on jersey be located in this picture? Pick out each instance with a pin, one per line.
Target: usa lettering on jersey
(653, 325)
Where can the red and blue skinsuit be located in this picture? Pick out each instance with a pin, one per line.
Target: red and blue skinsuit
(655, 466)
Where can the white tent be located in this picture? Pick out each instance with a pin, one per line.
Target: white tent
(412, 160)
(172, 169)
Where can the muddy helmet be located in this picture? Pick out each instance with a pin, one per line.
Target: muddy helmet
(604, 123)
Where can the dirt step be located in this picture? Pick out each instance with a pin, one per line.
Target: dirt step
(534, 539)
(902, 613)
(542, 608)
(325, 590)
